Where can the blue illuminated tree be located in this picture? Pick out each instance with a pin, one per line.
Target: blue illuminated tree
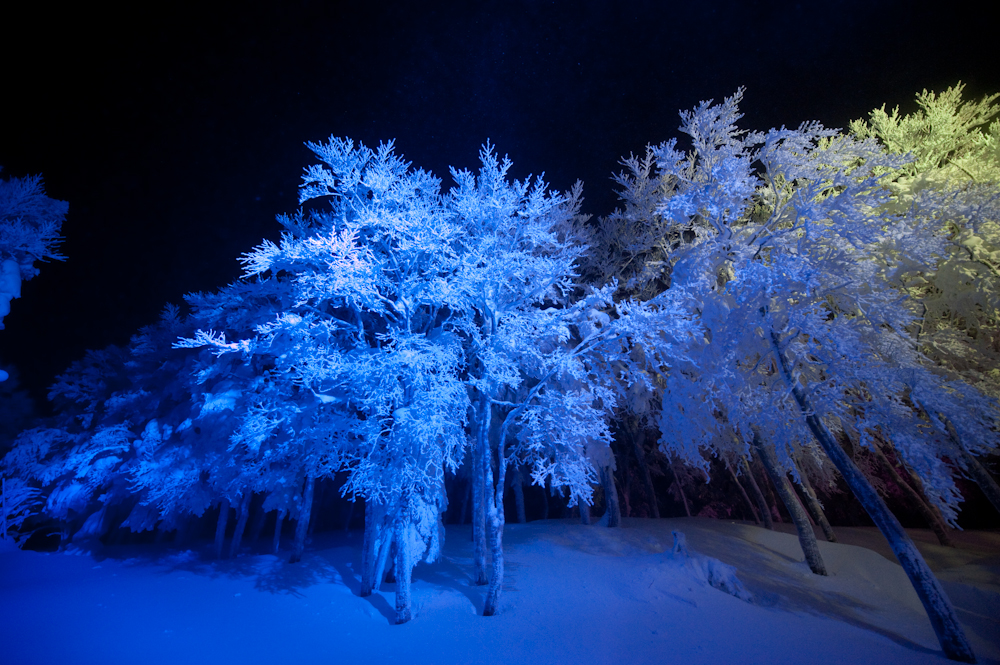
(141, 437)
(362, 361)
(544, 352)
(30, 223)
(782, 246)
(398, 305)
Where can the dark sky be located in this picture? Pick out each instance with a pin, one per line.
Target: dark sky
(177, 136)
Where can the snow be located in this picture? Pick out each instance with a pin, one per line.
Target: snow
(573, 594)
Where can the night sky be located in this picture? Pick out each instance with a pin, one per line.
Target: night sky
(177, 136)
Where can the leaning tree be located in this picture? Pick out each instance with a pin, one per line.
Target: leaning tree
(783, 247)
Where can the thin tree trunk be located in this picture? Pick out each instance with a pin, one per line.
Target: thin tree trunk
(480, 490)
(807, 537)
(319, 505)
(466, 495)
(640, 456)
(384, 568)
(918, 485)
(613, 510)
(387, 567)
(774, 501)
(765, 510)
(814, 507)
(259, 517)
(369, 549)
(743, 492)
(496, 524)
(404, 568)
(302, 525)
(517, 484)
(976, 470)
(545, 503)
(241, 523)
(916, 500)
(623, 480)
(680, 488)
(278, 519)
(350, 516)
(929, 590)
(584, 513)
(220, 527)
(377, 546)
(802, 505)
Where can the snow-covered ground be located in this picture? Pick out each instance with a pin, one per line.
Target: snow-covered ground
(574, 594)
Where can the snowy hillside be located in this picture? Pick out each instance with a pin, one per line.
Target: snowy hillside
(575, 594)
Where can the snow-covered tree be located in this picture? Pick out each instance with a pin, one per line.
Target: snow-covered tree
(956, 169)
(518, 253)
(543, 351)
(402, 303)
(30, 223)
(285, 436)
(778, 244)
(362, 359)
(141, 438)
(950, 140)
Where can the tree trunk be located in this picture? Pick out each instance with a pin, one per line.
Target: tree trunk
(320, 497)
(975, 469)
(481, 463)
(279, 518)
(378, 540)
(350, 516)
(220, 527)
(982, 478)
(613, 510)
(765, 510)
(387, 557)
(241, 523)
(774, 502)
(935, 600)
(623, 480)
(807, 537)
(914, 481)
(259, 517)
(680, 488)
(545, 502)
(404, 568)
(743, 492)
(496, 523)
(386, 551)
(916, 500)
(814, 507)
(302, 525)
(517, 484)
(369, 549)
(802, 505)
(466, 495)
(640, 456)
